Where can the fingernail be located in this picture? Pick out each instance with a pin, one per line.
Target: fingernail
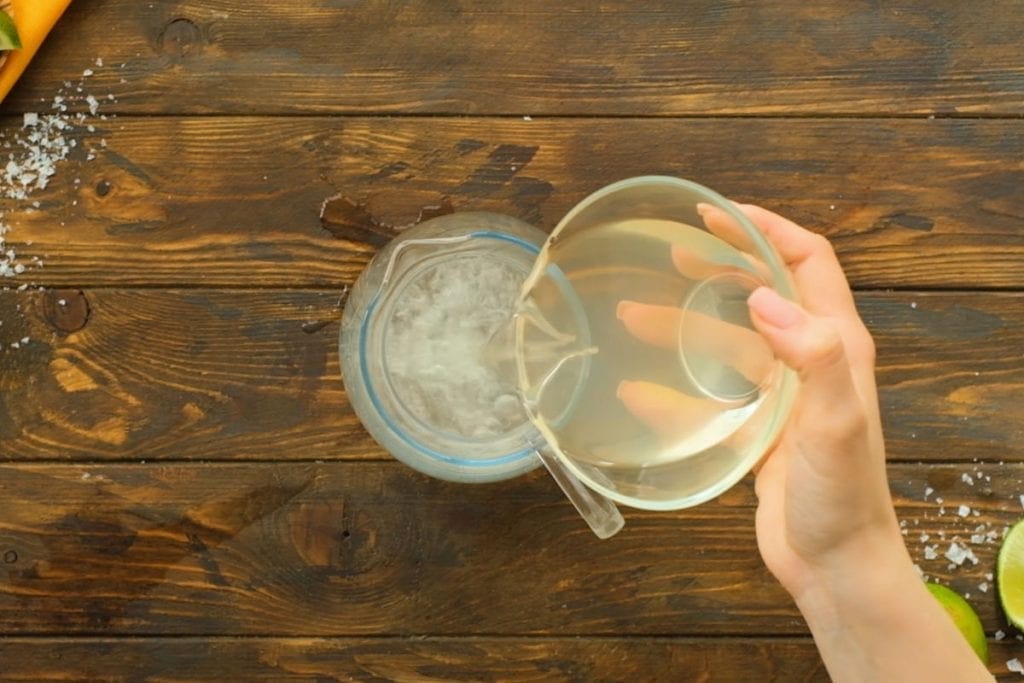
(774, 309)
(703, 208)
(625, 308)
(622, 388)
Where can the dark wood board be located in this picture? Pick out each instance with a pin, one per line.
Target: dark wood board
(236, 201)
(372, 549)
(533, 57)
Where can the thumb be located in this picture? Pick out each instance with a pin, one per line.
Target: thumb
(811, 346)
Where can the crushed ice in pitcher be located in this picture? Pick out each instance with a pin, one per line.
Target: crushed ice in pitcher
(437, 333)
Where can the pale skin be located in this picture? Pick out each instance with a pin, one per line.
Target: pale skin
(826, 525)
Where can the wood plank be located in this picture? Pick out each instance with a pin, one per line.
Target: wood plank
(519, 660)
(516, 660)
(153, 374)
(238, 375)
(949, 374)
(358, 549)
(236, 201)
(533, 57)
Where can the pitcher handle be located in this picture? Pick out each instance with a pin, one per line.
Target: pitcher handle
(599, 512)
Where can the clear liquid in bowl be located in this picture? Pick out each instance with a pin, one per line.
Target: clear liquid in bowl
(634, 346)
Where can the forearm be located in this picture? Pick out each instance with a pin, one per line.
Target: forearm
(878, 622)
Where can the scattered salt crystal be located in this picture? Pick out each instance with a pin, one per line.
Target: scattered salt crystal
(938, 500)
(1022, 500)
(913, 304)
(928, 490)
(929, 552)
(1015, 666)
(924, 537)
(988, 576)
(527, 118)
(62, 302)
(983, 587)
(99, 61)
(831, 207)
(999, 635)
(963, 511)
(966, 478)
(33, 154)
(958, 553)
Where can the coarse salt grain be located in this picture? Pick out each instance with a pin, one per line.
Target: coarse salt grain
(963, 511)
(957, 554)
(1015, 666)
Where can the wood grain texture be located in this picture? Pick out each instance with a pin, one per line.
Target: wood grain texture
(350, 549)
(236, 201)
(154, 374)
(423, 660)
(532, 57)
(238, 375)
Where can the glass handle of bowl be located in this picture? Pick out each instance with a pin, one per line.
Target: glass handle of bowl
(599, 512)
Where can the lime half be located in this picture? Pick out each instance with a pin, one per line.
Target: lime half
(1010, 575)
(9, 39)
(964, 617)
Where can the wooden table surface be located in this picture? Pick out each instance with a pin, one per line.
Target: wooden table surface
(185, 492)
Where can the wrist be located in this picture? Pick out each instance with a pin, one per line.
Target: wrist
(875, 620)
(863, 586)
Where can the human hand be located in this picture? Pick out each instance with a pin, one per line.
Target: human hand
(823, 495)
(826, 525)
